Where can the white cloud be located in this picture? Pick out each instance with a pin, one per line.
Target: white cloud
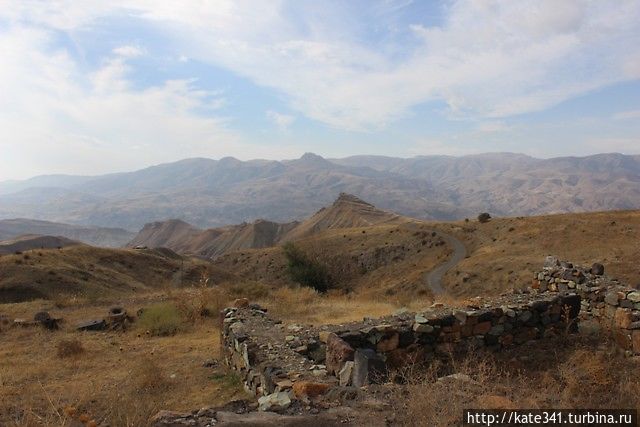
(56, 118)
(488, 59)
(282, 121)
(128, 51)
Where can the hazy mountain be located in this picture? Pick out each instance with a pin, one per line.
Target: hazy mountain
(34, 241)
(96, 236)
(347, 211)
(212, 193)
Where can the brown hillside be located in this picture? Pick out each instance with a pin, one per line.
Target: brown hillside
(347, 211)
(28, 242)
(384, 260)
(89, 272)
(505, 251)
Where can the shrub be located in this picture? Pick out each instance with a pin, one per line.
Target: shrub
(484, 217)
(161, 319)
(69, 348)
(305, 271)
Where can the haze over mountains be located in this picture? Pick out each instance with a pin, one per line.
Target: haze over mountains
(347, 211)
(213, 193)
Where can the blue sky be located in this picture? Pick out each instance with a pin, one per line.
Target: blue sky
(93, 87)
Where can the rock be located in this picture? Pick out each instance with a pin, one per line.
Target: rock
(551, 261)
(368, 368)
(421, 319)
(275, 402)
(389, 343)
(240, 303)
(323, 336)
(345, 373)
(423, 328)
(461, 316)
(45, 319)
(338, 352)
(611, 298)
(524, 316)
(309, 389)
(634, 297)
(482, 328)
(623, 318)
(597, 269)
(456, 377)
(92, 325)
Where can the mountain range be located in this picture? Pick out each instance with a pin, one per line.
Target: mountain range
(212, 193)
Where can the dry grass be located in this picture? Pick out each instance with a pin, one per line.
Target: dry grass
(504, 252)
(70, 348)
(554, 374)
(106, 381)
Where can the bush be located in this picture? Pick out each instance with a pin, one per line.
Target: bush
(161, 319)
(484, 217)
(305, 271)
(69, 348)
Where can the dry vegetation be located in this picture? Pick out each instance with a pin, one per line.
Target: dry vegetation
(48, 378)
(570, 372)
(387, 261)
(504, 252)
(87, 272)
(125, 377)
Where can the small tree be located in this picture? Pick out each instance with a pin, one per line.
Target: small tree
(304, 270)
(484, 217)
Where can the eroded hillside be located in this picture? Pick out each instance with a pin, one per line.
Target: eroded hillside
(88, 272)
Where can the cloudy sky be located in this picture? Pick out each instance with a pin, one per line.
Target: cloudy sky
(89, 87)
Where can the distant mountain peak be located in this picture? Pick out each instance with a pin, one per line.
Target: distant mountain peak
(350, 198)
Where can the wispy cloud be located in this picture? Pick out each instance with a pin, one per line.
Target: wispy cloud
(282, 121)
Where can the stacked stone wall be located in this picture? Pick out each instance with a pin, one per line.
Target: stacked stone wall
(614, 306)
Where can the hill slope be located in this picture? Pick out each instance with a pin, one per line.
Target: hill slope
(212, 193)
(95, 236)
(347, 211)
(89, 272)
(29, 242)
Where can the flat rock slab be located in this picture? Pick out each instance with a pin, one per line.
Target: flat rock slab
(92, 325)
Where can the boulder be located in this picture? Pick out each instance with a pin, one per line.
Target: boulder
(551, 261)
(368, 368)
(275, 402)
(92, 325)
(345, 373)
(338, 352)
(597, 269)
(309, 389)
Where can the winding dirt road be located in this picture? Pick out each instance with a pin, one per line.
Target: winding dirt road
(433, 279)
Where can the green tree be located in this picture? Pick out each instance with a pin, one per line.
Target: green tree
(304, 270)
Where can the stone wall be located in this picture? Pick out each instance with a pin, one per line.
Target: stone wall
(280, 363)
(614, 306)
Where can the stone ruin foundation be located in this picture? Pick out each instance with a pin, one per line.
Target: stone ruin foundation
(278, 362)
(284, 364)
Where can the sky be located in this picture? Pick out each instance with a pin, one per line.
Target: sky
(90, 87)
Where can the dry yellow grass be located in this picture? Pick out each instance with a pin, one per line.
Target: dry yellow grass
(505, 252)
(120, 377)
(568, 373)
